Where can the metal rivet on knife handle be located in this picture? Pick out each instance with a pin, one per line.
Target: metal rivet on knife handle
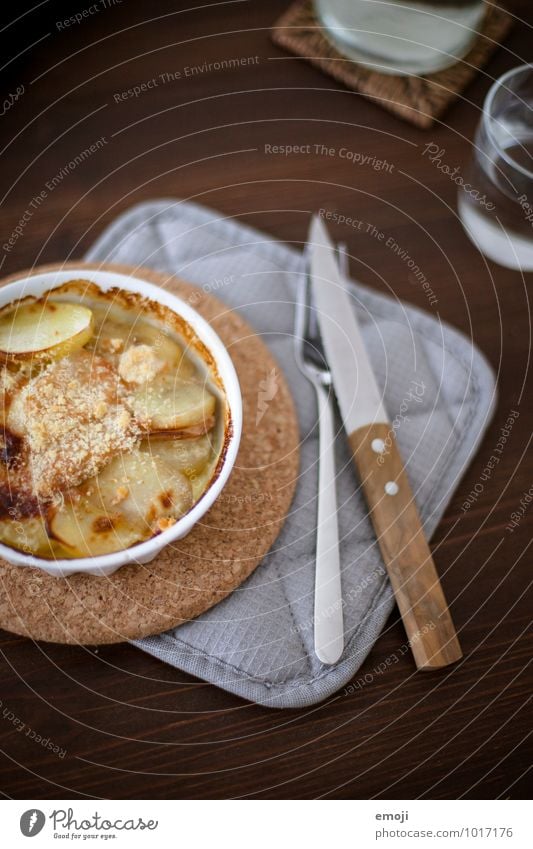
(407, 557)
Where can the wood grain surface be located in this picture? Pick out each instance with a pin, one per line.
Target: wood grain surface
(411, 569)
(129, 726)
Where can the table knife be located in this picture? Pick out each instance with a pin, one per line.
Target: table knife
(405, 551)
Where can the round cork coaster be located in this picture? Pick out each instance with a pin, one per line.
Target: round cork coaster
(221, 551)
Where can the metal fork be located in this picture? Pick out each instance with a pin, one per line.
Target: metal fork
(309, 355)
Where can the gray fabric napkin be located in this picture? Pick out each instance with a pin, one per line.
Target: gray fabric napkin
(440, 394)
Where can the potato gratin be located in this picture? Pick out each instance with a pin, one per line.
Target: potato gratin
(112, 421)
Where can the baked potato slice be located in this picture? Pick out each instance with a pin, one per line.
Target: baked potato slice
(167, 349)
(171, 404)
(144, 489)
(188, 456)
(200, 481)
(86, 531)
(115, 334)
(46, 330)
(186, 433)
(28, 535)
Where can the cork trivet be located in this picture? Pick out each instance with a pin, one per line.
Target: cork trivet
(420, 100)
(219, 553)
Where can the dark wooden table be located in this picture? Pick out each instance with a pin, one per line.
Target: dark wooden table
(132, 727)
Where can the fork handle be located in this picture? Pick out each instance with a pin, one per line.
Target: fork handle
(328, 618)
(400, 535)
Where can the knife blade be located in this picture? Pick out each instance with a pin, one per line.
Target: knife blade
(359, 397)
(384, 481)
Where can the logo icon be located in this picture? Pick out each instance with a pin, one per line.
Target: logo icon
(268, 389)
(32, 822)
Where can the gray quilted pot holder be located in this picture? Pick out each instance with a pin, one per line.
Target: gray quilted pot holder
(439, 390)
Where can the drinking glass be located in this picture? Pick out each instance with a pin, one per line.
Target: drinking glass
(495, 202)
(401, 36)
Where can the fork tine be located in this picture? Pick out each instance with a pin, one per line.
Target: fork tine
(313, 329)
(301, 310)
(308, 349)
(342, 255)
(313, 332)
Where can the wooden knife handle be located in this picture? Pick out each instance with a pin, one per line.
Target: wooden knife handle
(404, 548)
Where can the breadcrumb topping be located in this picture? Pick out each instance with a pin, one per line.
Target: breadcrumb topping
(140, 364)
(76, 419)
(121, 493)
(111, 346)
(8, 381)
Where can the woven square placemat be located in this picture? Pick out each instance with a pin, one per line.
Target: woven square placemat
(258, 642)
(420, 100)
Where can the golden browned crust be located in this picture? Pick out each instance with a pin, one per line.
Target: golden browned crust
(64, 424)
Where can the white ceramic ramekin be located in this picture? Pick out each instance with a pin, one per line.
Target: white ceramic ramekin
(38, 284)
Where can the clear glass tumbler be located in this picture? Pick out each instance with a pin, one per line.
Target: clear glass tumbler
(402, 36)
(495, 202)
